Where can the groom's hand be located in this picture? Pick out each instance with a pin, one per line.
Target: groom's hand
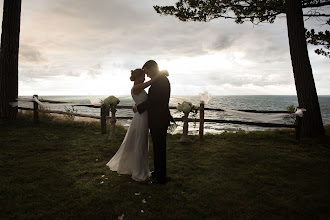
(134, 108)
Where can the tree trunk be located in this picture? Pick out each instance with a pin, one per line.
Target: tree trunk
(312, 125)
(9, 59)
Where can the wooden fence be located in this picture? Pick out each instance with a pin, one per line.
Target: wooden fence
(104, 115)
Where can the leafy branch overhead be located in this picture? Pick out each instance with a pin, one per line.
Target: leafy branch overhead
(319, 39)
(206, 10)
(255, 11)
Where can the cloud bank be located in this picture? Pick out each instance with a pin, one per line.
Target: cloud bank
(79, 47)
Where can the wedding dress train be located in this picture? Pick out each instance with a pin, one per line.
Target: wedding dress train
(132, 156)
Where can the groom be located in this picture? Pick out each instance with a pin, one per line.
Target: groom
(159, 118)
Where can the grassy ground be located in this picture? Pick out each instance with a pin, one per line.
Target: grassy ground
(56, 170)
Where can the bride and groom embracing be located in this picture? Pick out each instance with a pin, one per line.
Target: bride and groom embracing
(151, 111)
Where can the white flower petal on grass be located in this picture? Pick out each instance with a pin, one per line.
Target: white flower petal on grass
(103, 176)
(137, 194)
(97, 159)
(121, 217)
(101, 182)
(144, 201)
(142, 211)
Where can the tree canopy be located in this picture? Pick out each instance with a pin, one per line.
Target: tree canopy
(255, 11)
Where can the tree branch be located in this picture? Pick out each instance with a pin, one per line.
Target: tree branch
(316, 15)
(316, 5)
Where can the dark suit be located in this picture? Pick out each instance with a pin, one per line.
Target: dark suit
(159, 118)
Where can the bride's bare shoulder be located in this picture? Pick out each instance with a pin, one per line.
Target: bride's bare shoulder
(136, 90)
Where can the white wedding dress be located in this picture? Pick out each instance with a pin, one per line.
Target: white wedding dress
(132, 156)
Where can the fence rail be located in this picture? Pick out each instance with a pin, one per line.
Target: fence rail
(104, 115)
(250, 111)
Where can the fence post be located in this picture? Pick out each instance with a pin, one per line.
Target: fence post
(113, 120)
(185, 138)
(35, 110)
(103, 119)
(201, 121)
(298, 127)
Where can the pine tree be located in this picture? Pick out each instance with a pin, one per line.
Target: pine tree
(9, 59)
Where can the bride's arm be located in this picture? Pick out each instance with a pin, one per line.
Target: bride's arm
(139, 87)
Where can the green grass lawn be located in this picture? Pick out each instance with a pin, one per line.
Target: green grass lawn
(56, 170)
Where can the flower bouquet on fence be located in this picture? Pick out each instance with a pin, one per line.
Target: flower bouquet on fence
(186, 108)
(111, 103)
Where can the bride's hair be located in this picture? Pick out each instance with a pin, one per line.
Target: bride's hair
(136, 74)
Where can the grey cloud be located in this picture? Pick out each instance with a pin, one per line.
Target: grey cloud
(31, 73)
(103, 13)
(262, 44)
(124, 26)
(95, 70)
(239, 79)
(74, 74)
(130, 63)
(30, 54)
(45, 71)
(223, 42)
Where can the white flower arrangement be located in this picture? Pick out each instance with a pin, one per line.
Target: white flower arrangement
(111, 102)
(187, 107)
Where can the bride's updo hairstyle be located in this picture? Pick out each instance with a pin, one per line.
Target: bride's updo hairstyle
(136, 74)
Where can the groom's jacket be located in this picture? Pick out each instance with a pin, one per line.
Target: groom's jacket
(157, 104)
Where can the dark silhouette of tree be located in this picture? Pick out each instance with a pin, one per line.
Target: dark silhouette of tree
(257, 11)
(9, 59)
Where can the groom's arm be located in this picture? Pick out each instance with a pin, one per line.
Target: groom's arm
(143, 106)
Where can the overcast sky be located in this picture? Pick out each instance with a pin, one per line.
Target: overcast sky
(88, 47)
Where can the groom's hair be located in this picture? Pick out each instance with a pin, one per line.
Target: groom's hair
(150, 64)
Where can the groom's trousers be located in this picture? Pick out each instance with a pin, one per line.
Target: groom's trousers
(158, 136)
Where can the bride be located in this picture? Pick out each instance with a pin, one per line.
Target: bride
(132, 156)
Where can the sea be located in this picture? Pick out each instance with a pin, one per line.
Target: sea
(246, 102)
